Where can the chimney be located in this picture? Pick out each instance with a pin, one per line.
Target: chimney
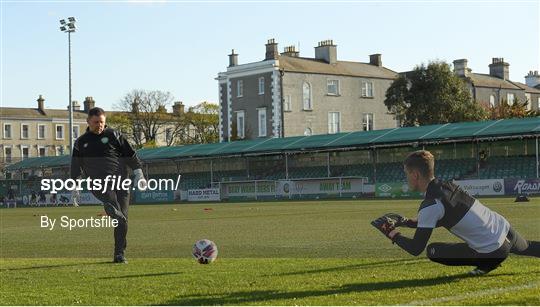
(233, 59)
(327, 51)
(532, 79)
(161, 109)
(88, 103)
(271, 50)
(76, 105)
(178, 108)
(498, 68)
(375, 59)
(41, 104)
(291, 51)
(135, 106)
(460, 68)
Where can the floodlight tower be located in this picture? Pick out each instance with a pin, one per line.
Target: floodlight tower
(69, 27)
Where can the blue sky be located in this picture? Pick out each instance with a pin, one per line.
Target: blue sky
(181, 46)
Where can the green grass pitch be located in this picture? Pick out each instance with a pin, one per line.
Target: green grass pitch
(274, 253)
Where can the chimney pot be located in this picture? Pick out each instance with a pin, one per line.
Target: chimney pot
(291, 51)
(375, 59)
(88, 103)
(76, 106)
(41, 104)
(272, 52)
(532, 79)
(233, 59)
(327, 51)
(460, 68)
(178, 108)
(498, 68)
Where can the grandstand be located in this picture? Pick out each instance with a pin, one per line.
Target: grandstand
(498, 149)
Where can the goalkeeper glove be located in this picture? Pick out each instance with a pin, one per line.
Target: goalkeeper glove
(75, 198)
(387, 226)
(399, 221)
(140, 182)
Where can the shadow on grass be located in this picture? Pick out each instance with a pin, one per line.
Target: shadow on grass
(261, 296)
(52, 266)
(141, 275)
(357, 266)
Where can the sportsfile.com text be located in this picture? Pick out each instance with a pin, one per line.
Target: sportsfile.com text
(110, 182)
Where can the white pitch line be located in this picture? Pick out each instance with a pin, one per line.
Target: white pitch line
(474, 294)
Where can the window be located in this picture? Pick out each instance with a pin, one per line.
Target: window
(7, 131)
(261, 85)
(59, 150)
(492, 101)
(367, 121)
(308, 132)
(239, 88)
(306, 96)
(41, 151)
(287, 103)
(25, 153)
(41, 131)
(367, 89)
(75, 132)
(24, 131)
(7, 154)
(262, 121)
(332, 87)
(240, 124)
(59, 132)
(333, 122)
(510, 98)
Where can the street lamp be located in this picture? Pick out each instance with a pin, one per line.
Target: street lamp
(69, 27)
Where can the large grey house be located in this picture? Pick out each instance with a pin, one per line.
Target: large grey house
(288, 95)
(493, 88)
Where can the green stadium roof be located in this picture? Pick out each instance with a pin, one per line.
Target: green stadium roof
(55, 161)
(452, 132)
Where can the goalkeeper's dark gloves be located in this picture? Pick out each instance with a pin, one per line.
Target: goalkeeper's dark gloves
(387, 226)
(400, 221)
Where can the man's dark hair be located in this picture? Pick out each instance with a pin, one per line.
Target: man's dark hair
(97, 111)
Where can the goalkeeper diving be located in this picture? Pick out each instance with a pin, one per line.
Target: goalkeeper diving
(488, 237)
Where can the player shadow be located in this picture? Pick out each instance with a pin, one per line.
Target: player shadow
(254, 297)
(52, 266)
(141, 275)
(355, 266)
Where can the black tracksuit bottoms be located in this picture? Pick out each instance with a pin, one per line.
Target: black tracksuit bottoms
(460, 254)
(116, 204)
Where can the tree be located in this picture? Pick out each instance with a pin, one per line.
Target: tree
(505, 110)
(148, 113)
(431, 94)
(123, 122)
(204, 122)
(396, 99)
(144, 117)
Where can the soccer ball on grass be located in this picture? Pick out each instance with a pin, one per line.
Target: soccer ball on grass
(205, 251)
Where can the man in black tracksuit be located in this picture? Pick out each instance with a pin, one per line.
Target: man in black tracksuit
(488, 236)
(102, 152)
